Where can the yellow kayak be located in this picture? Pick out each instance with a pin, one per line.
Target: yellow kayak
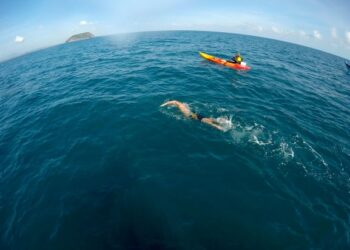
(223, 62)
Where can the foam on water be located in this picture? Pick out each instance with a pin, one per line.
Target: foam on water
(225, 122)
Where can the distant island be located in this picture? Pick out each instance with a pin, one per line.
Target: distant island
(80, 36)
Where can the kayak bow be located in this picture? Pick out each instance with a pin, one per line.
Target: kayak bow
(224, 62)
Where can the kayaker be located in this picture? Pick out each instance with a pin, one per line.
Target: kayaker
(237, 58)
(189, 114)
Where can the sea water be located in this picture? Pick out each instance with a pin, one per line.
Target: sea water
(89, 159)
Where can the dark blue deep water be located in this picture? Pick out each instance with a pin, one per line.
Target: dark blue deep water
(88, 159)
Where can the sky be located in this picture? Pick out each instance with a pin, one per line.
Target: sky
(30, 25)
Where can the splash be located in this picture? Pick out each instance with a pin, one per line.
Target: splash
(225, 123)
(269, 144)
(286, 151)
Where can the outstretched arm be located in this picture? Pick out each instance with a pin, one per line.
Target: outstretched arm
(181, 106)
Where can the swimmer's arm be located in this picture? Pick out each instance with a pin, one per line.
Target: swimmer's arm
(210, 122)
(170, 103)
(181, 106)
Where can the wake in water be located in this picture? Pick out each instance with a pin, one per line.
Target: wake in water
(271, 144)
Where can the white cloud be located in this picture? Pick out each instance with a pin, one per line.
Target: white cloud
(317, 34)
(19, 39)
(84, 22)
(334, 33)
(347, 35)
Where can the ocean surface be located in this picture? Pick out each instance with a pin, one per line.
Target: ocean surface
(89, 159)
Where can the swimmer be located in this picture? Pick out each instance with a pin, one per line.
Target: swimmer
(195, 116)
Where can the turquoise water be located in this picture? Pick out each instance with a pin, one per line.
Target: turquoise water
(88, 159)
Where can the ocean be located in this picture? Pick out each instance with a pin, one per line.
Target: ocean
(89, 159)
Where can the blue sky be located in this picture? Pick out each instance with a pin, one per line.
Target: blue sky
(30, 25)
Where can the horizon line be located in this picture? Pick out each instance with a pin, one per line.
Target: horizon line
(167, 30)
